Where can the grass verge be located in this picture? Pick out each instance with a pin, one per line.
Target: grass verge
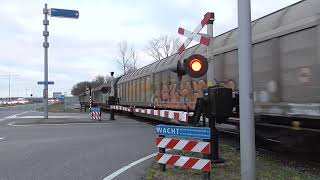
(266, 168)
(58, 107)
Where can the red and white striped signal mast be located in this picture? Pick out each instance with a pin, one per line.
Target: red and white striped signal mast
(202, 39)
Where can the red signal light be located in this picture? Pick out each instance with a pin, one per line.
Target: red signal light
(195, 65)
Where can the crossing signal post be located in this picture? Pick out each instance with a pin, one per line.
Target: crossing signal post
(216, 105)
(90, 98)
(112, 98)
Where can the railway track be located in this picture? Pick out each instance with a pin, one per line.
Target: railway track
(277, 148)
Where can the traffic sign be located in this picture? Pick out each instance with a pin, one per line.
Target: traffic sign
(64, 13)
(194, 35)
(62, 97)
(95, 113)
(95, 109)
(187, 132)
(43, 82)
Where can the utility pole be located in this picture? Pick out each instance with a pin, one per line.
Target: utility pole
(247, 123)
(9, 85)
(45, 46)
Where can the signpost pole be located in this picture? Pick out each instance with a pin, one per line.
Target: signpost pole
(247, 124)
(162, 150)
(64, 13)
(46, 46)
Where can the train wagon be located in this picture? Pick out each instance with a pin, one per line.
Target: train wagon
(286, 65)
(99, 97)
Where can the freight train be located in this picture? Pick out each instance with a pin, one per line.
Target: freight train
(286, 73)
(99, 97)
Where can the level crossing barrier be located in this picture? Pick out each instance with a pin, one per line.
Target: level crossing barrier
(96, 113)
(195, 140)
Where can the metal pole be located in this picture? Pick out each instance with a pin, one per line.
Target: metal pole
(9, 88)
(46, 46)
(162, 150)
(90, 99)
(247, 124)
(112, 97)
(210, 77)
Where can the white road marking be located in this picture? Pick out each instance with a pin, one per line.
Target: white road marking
(62, 124)
(52, 117)
(2, 138)
(119, 171)
(12, 116)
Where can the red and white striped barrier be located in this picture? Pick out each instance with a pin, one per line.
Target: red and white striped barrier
(194, 35)
(185, 162)
(95, 115)
(176, 116)
(185, 145)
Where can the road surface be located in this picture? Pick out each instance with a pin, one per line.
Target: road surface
(11, 110)
(72, 151)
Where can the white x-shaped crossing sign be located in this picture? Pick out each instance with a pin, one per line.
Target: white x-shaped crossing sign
(195, 34)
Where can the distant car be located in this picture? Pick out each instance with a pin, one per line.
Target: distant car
(22, 101)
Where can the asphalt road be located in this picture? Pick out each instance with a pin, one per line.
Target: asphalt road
(73, 151)
(11, 110)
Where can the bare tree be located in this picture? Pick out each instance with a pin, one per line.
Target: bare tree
(97, 81)
(127, 57)
(162, 47)
(108, 78)
(80, 87)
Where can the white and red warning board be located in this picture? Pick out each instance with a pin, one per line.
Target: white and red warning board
(95, 113)
(195, 34)
(185, 162)
(188, 145)
(184, 145)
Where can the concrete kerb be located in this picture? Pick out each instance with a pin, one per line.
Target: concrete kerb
(61, 119)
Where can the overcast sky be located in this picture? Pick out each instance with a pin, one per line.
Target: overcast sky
(83, 48)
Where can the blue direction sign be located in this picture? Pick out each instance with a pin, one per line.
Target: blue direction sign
(43, 82)
(64, 13)
(187, 132)
(95, 109)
